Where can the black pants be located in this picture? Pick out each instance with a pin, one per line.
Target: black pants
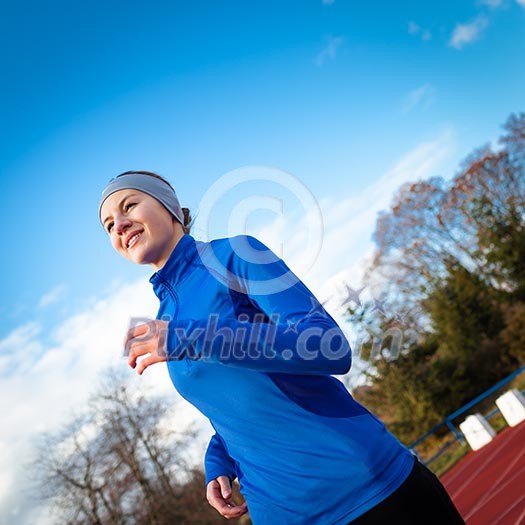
(420, 500)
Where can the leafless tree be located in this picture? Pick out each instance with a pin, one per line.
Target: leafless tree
(122, 462)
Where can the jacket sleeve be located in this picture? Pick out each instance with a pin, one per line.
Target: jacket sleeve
(217, 462)
(292, 334)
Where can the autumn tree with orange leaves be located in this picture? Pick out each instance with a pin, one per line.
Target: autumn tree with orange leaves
(449, 265)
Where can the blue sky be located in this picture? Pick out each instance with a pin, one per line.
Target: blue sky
(350, 98)
(331, 92)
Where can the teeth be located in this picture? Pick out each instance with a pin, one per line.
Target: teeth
(133, 240)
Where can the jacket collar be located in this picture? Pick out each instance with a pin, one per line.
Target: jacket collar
(179, 261)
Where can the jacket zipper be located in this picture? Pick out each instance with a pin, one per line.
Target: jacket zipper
(173, 294)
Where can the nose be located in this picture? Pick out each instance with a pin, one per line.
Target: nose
(121, 224)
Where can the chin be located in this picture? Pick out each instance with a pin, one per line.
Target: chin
(137, 258)
(140, 260)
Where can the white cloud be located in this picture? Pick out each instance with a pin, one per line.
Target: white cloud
(52, 296)
(43, 382)
(19, 348)
(333, 43)
(421, 96)
(349, 224)
(416, 29)
(521, 2)
(467, 33)
(413, 28)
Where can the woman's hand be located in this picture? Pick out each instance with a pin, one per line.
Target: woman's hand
(219, 493)
(147, 339)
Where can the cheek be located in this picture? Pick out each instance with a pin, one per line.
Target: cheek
(115, 243)
(160, 228)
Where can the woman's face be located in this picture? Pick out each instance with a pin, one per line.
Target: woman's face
(141, 229)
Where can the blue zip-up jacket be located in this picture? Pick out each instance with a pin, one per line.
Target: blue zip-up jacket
(251, 347)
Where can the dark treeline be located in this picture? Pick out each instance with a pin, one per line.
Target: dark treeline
(450, 266)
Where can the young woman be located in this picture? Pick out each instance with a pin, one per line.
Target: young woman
(249, 345)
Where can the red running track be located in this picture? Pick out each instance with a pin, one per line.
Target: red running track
(488, 486)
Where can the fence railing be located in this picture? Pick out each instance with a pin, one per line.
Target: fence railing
(449, 420)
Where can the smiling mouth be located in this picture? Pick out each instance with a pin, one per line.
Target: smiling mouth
(133, 240)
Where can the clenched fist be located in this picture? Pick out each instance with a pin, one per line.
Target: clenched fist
(219, 496)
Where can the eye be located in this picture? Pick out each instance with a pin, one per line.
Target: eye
(109, 227)
(129, 205)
